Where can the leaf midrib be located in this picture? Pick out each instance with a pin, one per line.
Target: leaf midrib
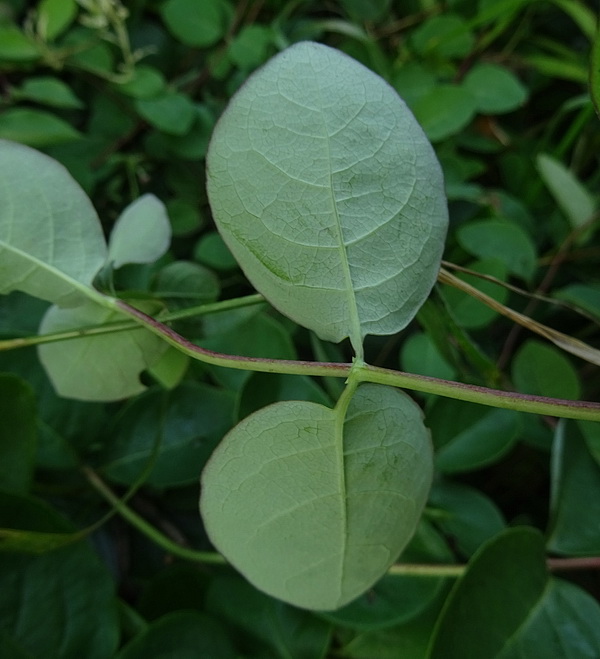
(355, 334)
(86, 289)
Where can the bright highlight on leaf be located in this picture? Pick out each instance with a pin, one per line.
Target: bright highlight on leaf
(142, 233)
(51, 242)
(313, 507)
(328, 194)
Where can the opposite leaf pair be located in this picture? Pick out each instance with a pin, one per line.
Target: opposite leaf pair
(330, 197)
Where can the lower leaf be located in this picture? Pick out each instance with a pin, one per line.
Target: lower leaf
(312, 507)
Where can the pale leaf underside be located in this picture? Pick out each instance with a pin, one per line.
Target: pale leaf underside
(51, 242)
(314, 511)
(329, 194)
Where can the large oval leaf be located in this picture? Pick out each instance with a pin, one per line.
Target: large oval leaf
(313, 507)
(329, 195)
(51, 241)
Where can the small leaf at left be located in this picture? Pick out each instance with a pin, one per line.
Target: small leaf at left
(103, 367)
(141, 234)
(312, 507)
(51, 242)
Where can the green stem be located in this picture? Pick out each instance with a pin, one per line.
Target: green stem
(434, 571)
(569, 409)
(147, 529)
(129, 325)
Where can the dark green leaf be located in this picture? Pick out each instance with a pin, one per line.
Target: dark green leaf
(420, 355)
(183, 426)
(487, 607)
(48, 91)
(444, 111)
(543, 370)
(78, 617)
(55, 16)
(15, 46)
(503, 240)
(212, 251)
(172, 112)
(469, 312)
(495, 88)
(197, 24)
(446, 36)
(17, 434)
(575, 499)
(465, 515)
(481, 444)
(287, 631)
(147, 82)
(251, 46)
(35, 128)
(181, 634)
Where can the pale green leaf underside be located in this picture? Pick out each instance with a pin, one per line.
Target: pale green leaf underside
(312, 510)
(51, 242)
(329, 195)
(142, 233)
(104, 367)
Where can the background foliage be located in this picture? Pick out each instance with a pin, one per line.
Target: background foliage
(126, 100)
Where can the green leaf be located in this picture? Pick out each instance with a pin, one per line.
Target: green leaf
(572, 197)
(543, 370)
(495, 89)
(182, 634)
(188, 423)
(503, 240)
(251, 46)
(317, 171)
(78, 596)
(481, 443)
(312, 507)
(284, 630)
(96, 368)
(147, 82)
(262, 389)
(396, 599)
(196, 24)
(55, 16)
(183, 283)
(18, 436)
(420, 355)
(141, 234)
(445, 111)
(594, 72)
(185, 217)
(468, 312)
(504, 581)
(366, 10)
(48, 91)
(591, 432)
(35, 128)
(88, 53)
(506, 607)
(213, 252)
(445, 36)
(465, 514)
(15, 45)
(173, 113)
(169, 370)
(413, 81)
(575, 496)
(51, 242)
(586, 296)
(259, 336)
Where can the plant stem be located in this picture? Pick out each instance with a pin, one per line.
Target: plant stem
(147, 529)
(129, 325)
(366, 373)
